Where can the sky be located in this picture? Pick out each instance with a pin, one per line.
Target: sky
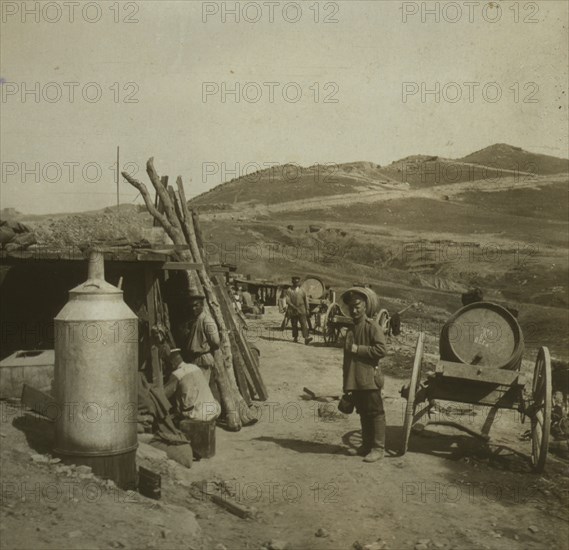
(313, 82)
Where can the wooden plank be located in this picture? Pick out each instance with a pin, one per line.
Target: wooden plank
(149, 281)
(209, 489)
(181, 266)
(250, 361)
(253, 367)
(163, 248)
(164, 315)
(153, 256)
(118, 254)
(246, 388)
(475, 393)
(242, 376)
(490, 375)
(198, 231)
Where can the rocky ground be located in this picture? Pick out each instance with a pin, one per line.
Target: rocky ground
(292, 472)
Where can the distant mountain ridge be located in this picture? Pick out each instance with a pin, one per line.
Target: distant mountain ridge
(291, 182)
(508, 157)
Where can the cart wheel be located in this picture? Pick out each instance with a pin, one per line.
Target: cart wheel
(541, 414)
(413, 385)
(329, 329)
(382, 319)
(317, 320)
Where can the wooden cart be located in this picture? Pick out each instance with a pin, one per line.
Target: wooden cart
(335, 322)
(481, 348)
(318, 301)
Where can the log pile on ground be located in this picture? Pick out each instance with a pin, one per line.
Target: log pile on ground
(236, 366)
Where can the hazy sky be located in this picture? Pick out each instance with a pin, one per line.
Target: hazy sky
(343, 65)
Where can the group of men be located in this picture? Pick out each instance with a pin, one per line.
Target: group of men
(245, 302)
(364, 346)
(190, 383)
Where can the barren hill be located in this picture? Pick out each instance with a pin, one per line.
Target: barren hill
(425, 171)
(292, 182)
(508, 157)
(354, 180)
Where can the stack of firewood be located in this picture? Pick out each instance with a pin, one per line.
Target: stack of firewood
(236, 366)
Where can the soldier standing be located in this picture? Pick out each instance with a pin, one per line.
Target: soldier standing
(297, 309)
(365, 345)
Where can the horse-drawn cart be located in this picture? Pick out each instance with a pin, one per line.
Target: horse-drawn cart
(481, 348)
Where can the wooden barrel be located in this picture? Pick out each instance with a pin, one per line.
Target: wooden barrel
(372, 299)
(483, 334)
(314, 287)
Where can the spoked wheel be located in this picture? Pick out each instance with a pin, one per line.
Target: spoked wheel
(382, 319)
(413, 386)
(330, 330)
(541, 410)
(317, 320)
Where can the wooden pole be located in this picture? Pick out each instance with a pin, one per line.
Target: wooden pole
(179, 224)
(118, 172)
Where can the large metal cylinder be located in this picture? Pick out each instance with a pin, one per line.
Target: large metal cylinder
(95, 375)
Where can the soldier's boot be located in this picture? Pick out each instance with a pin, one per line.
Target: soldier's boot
(377, 430)
(367, 435)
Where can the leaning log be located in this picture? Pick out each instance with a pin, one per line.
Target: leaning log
(178, 222)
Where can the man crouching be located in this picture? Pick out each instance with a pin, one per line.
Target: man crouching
(365, 345)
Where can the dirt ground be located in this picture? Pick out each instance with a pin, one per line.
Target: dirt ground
(449, 490)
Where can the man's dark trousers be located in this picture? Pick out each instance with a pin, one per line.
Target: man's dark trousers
(295, 320)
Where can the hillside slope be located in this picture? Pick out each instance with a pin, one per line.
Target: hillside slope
(292, 182)
(289, 182)
(508, 157)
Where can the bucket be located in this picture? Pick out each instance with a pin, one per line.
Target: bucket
(201, 435)
(482, 334)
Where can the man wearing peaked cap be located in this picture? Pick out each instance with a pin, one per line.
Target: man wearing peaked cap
(297, 308)
(365, 345)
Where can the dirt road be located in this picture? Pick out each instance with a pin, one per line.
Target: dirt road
(448, 492)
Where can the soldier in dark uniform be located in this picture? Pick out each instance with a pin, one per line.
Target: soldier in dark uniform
(365, 345)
